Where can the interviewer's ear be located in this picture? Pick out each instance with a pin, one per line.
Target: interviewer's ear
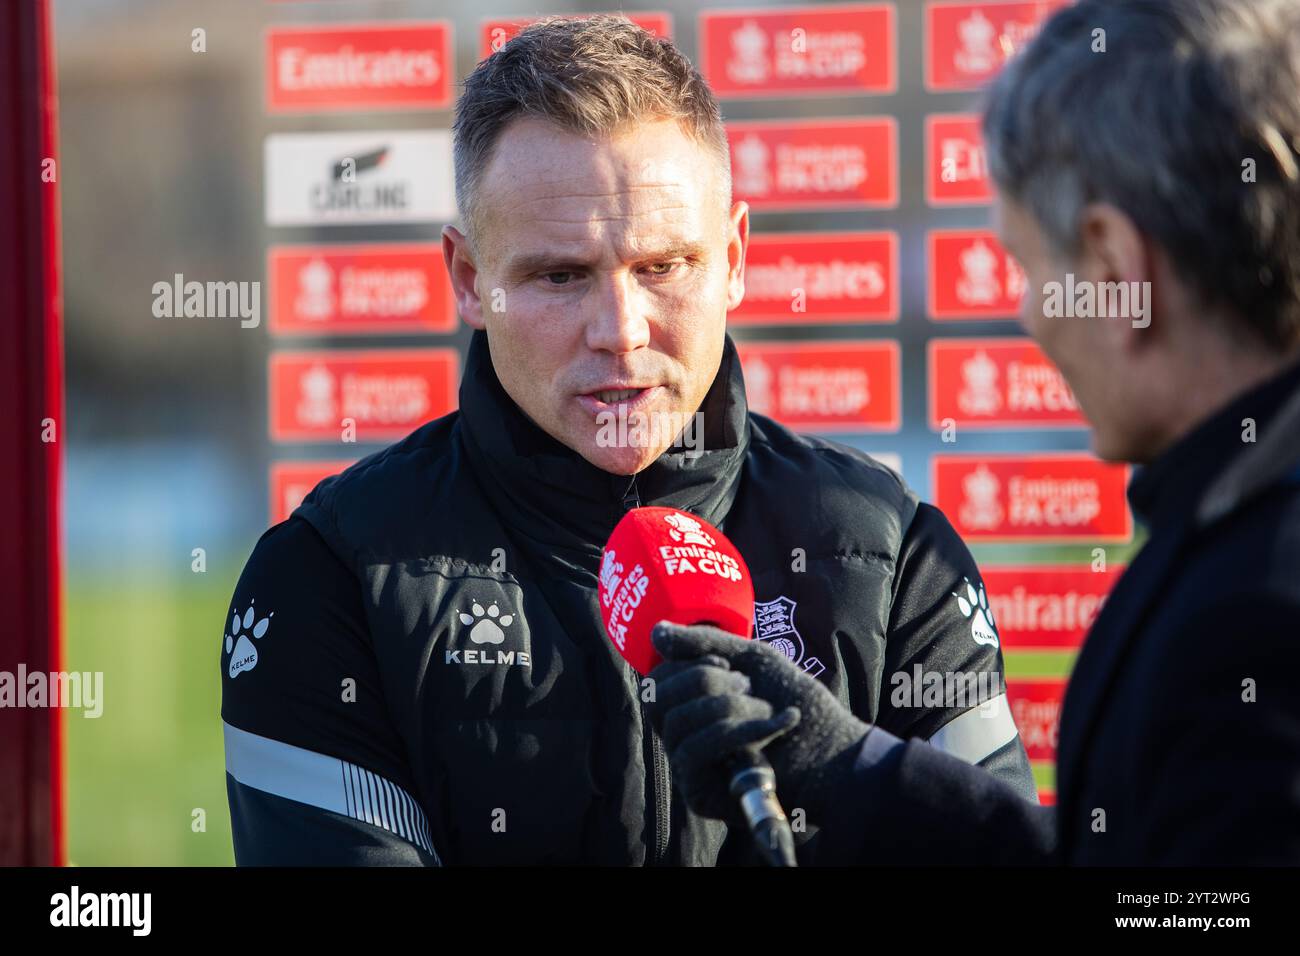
(463, 273)
(1114, 250)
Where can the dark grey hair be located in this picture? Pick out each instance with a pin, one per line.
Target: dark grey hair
(1162, 125)
(588, 75)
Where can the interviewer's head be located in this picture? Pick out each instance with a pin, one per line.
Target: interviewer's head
(601, 245)
(1156, 141)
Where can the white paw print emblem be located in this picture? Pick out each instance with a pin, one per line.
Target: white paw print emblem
(975, 605)
(243, 655)
(486, 630)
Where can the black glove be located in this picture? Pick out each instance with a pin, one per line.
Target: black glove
(702, 721)
(702, 711)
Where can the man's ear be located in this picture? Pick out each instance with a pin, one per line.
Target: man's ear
(463, 274)
(1114, 250)
(737, 245)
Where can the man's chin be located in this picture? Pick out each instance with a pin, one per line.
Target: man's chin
(620, 461)
(1114, 448)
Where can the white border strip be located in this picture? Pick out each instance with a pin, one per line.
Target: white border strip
(974, 734)
(328, 783)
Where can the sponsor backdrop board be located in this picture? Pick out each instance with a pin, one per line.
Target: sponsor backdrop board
(362, 66)
(880, 308)
(495, 32)
(378, 287)
(393, 176)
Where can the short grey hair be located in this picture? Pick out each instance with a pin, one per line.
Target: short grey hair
(1161, 125)
(588, 75)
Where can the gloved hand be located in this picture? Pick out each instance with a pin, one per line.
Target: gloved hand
(702, 711)
(704, 714)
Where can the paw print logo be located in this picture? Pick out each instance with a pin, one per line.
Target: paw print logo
(975, 607)
(486, 630)
(243, 654)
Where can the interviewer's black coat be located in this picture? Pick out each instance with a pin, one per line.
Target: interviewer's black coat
(1180, 731)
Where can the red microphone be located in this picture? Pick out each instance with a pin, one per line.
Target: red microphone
(661, 564)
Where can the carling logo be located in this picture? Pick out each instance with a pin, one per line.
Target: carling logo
(346, 178)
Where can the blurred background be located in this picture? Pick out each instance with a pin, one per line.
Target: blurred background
(167, 441)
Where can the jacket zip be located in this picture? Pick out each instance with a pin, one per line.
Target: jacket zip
(658, 794)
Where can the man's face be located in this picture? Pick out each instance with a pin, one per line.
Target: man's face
(605, 273)
(1088, 351)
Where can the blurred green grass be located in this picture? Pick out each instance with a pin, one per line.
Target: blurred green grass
(137, 773)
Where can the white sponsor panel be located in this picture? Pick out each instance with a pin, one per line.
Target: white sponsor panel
(363, 177)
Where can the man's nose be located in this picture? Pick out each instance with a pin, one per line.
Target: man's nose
(620, 322)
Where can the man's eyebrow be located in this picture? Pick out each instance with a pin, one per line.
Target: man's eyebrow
(526, 263)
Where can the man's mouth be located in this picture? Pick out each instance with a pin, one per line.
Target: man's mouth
(618, 399)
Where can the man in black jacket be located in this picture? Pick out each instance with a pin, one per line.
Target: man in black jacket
(1172, 161)
(414, 668)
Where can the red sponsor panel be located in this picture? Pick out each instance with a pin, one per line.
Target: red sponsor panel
(956, 172)
(359, 66)
(824, 386)
(823, 277)
(796, 51)
(1064, 496)
(1046, 606)
(387, 393)
(359, 289)
(997, 383)
(1036, 708)
(292, 480)
(779, 164)
(967, 43)
(971, 276)
(495, 33)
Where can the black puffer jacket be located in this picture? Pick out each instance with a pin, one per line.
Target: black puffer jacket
(432, 682)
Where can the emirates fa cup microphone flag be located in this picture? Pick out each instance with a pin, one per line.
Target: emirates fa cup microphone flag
(661, 564)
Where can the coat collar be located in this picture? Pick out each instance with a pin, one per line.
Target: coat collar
(549, 493)
(1203, 478)
(1171, 490)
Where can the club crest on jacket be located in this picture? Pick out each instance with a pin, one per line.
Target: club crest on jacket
(774, 623)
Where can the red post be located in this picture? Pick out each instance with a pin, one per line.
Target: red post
(31, 413)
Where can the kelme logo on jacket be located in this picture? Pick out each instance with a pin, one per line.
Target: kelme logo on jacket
(975, 608)
(489, 627)
(243, 653)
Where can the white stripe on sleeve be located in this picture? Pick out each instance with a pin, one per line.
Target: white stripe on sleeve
(325, 782)
(974, 734)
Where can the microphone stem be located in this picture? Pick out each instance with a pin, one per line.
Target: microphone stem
(754, 784)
